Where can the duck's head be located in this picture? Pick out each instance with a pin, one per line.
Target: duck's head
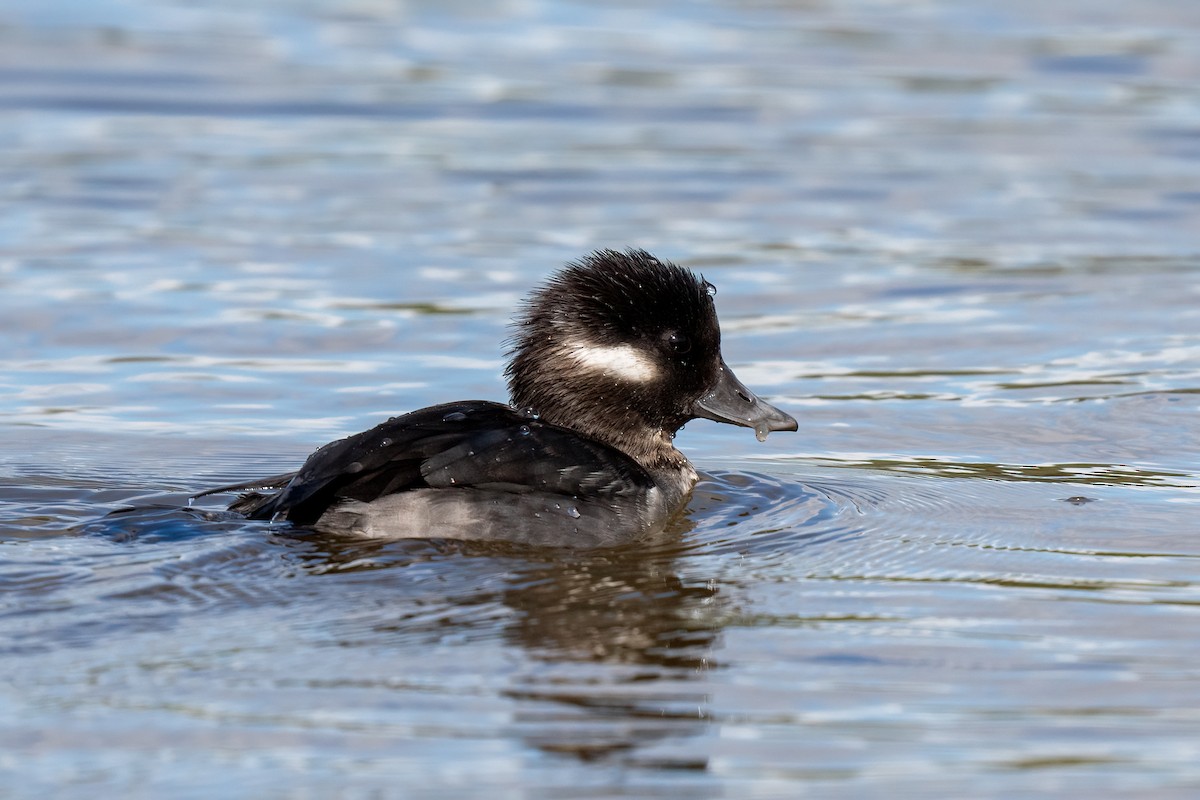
(626, 348)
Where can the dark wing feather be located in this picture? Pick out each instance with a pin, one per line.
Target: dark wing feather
(456, 445)
(273, 482)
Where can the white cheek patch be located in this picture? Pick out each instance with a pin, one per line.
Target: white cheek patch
(623, 361)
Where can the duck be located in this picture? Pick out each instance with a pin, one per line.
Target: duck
(609, 358)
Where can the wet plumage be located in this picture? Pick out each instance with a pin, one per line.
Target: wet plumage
(609, 359)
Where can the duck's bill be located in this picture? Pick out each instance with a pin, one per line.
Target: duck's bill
(730, 401)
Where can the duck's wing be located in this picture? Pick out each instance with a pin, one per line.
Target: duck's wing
(473, 444)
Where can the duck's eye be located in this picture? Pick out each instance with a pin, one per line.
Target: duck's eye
(678, 343)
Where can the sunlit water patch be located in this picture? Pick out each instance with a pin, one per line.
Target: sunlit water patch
(957, 241)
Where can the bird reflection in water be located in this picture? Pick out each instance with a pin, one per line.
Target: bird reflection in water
(626, 608)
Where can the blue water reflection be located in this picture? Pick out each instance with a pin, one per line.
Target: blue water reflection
(959, 241)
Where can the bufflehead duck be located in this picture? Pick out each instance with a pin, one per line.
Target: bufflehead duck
(609, 359)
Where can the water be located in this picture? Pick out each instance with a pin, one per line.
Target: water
(960, 242)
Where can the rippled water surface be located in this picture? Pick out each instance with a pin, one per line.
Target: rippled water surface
(960, 241)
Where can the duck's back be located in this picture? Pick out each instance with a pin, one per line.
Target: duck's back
(472, 470)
